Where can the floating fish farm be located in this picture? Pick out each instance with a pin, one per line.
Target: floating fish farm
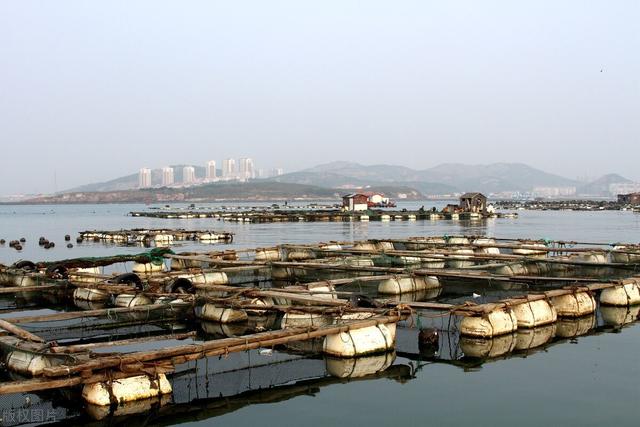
(157, 237)
(145, 335)
(267, 216)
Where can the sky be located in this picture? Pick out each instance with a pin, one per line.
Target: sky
(90, 91)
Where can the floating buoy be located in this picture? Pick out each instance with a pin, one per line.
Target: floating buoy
(459, 260)
(129, 300)
(486, 249)
(511, 269)
(27, 363)
(534, 313)
(304, 320)
(86, 279)
(403, 284)
(576, 304)
(300, 254)
(497, 322)
(628, 256)
(147, 267)
(624, 295)
(86, 294)
(267, 254)
(126, 389)
(220, 314)
(453, 240)
(363, 341)
(529, 250)
(207, 278)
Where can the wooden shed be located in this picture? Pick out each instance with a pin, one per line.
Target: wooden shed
(473, 202)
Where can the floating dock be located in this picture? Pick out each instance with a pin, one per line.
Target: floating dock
(268, 216)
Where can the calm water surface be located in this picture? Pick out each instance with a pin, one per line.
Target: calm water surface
(591, 380)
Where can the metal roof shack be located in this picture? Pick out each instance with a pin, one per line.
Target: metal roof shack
(473, 202)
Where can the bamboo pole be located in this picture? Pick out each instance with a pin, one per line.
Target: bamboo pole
(78, 348)
(19, 332)
(97, 313)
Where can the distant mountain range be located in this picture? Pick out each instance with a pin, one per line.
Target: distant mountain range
(444, 179)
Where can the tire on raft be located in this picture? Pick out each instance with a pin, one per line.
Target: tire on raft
(181, 285)
(25, 265)
(128, 279)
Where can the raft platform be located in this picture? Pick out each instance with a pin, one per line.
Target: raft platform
(268, 216)
(351, 305)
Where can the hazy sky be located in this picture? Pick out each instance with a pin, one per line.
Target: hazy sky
(94, 90)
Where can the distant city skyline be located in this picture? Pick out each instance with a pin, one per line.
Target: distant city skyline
(90, 91)
(242, 170)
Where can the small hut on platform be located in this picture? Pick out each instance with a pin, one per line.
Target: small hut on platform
(473, 202)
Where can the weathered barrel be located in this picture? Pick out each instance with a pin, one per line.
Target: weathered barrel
(147, 267)
(267, 254)
(360, 342)
(304, 320)
(576, 304)
(403, 284)
(85, 294)
(497, 322)
(220, 314)
(624, 295)
(126, 389)
(131, 300)
(535, 313)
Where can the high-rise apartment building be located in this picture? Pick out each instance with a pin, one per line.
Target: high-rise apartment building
(211, 170)
(228, 168)
(188, 175)
(144, 178)
(247, 169)
(167, 176)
